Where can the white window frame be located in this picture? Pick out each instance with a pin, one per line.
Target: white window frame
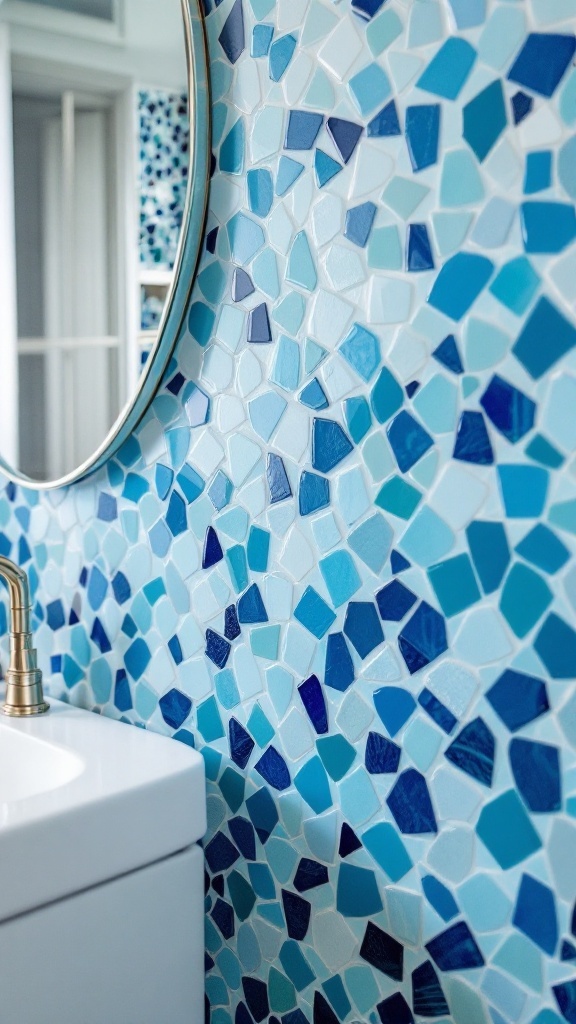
(50, 19)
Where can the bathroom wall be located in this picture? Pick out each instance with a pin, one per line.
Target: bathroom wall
(336, 556)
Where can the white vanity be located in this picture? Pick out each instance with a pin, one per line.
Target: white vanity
(101, 877)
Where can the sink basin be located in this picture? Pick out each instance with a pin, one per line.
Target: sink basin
(85, 799)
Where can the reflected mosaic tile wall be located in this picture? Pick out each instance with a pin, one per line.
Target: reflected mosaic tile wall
(162, 174)
(337, 554)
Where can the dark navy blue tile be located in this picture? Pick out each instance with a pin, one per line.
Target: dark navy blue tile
(418, 249)
(175, 649)
(395, 1010)
(323, 1012)
(447, 353)
(303, 128)
(455, 949)
(472, 440)
(359, 221)
(395, 601)
(362, 627)
(408, 439)
(231, 38)
(242, 832)
(423, 638)
(259, 332)
(339, 668)
(567, 951)
(409, 801)
(175, 385)
(100, 638)
(310, 874)
(518, 698)
(565, 996)
(473, 751)
(242, 285)
(297, 912)
(437, 711)
(251, 606)
(542, 61)
(175, 707)
(273, 769)
(313, 493)
(412, 388)
(212, 549)
(536, 770)
(121, 588)
(385, 122)
(521, 106)
(383, 952)
(256, 996)
(211, 239)
(422, 130)
(349, 841)
(217, 648)
(510, 410)
(382, 755)
(535, 914)
(427, 996)
(263, 813)
(366, 9)
(278, 483)
(241, 743)
(122, 694)
(330, 445)
(313, 700)
(231, 624)
(344, 135)
(223, 916)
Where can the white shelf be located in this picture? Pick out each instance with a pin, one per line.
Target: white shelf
(156, 278)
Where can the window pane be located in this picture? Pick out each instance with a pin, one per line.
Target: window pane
(103, 9)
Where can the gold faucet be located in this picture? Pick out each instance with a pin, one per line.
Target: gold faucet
(24, 694)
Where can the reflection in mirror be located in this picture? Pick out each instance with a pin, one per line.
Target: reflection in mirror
(96, 92)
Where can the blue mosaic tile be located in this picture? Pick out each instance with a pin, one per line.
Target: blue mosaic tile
(542, 62)
(345, 136)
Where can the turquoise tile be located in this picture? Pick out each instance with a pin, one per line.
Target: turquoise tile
(341, 576)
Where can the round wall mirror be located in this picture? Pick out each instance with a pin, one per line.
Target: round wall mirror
(104, 145)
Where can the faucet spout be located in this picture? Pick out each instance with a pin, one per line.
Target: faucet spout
(24, 694)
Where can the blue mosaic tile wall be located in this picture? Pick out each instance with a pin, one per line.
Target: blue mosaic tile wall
(162, 174)
(337, 556)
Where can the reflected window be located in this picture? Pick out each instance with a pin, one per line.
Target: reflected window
(105, 10)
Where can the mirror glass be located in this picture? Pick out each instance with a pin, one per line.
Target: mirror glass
(94, 161)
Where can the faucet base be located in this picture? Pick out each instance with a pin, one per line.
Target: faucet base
(15, 711)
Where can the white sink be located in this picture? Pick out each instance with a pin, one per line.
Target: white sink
(85, 799)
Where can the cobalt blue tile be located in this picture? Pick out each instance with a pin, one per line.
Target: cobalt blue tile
(242, 285)
(427, 995)
(310, 874)
(473, 751)
(303, 127)
(536, 770)
(395, 1009)
(455, 949)
(394, 601)
(55, 614)
(472, 441)
(175, 707)
(241, 743)
(383, 952)
(382, 755)
(231, 37)
(345, 135)
(440, 898)
(212, 549)
(485, 119)
(176, 515)
(278, 483)
(217, 648)
(297, 912)
(423, 638)
(220, 853)
(313, 397)
(263, 813)
(259, 332)
(385, 122)
(122, 695)
(409, 801)
(422, 130)
(418, 250)
(509, 409)
(547, 227)
(535, 914)
(490, 553)
(362, 627)
(330, 445)
(312, 698)
(339, 667)
(408, 439)
(565, 996)
(460, 281)
(100, 638)
(223, 916)
(521, 106)
(538, 173)
(366, 9)
(359, 222)
(273, 769)
(281, 53)
(357, 893)
(175, 649)
(448, 355)
(518, 698)
(398, 563)
(349, 841)
(251, 606)
(437, 711)
(542, 61)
